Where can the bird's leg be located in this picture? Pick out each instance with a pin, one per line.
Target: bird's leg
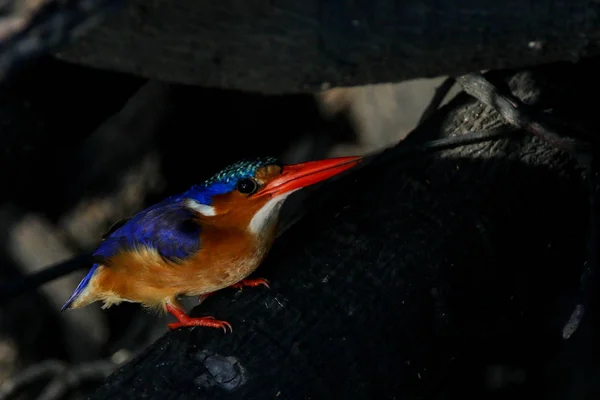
(185, 320)
(250, 283)
(239, 285)
(204, 296)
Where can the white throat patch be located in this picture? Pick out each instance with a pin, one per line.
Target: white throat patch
(267, 214)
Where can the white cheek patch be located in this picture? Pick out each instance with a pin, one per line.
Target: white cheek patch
(207, 211)
(267, 214)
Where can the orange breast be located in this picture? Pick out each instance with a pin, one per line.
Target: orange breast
(142, 276)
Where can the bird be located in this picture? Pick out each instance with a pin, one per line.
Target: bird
(208, 238)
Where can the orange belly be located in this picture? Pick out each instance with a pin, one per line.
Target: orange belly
(142, 276)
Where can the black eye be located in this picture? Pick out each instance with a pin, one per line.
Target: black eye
(247, 186)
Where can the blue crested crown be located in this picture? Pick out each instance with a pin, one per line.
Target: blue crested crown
(225, 180)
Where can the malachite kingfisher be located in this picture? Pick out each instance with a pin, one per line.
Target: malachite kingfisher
(192, 244)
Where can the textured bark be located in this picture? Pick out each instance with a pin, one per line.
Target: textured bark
(412, 277)
(290, 45)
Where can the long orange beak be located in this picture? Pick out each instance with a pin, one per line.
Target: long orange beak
(297, 176)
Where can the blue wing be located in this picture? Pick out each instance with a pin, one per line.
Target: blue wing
(168, 227)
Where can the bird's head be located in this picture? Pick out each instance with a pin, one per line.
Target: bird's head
(250, 193)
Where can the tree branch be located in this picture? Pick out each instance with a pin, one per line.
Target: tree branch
(413, 277)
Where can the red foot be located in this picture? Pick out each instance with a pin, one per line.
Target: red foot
(185, 320)
(210, 322)
(250, 283)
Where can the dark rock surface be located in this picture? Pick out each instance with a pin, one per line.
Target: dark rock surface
(297, 46)
(290, 46)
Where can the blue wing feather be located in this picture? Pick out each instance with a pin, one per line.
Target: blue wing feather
(167, 227)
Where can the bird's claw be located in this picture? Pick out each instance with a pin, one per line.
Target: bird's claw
(210, 321)
(207, 321)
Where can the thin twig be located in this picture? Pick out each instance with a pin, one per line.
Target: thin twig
(41, 371)
(63, 378)
(441, 144)
(21, 285)
(438, 98)
(465, 139)
(75, 377)
(513, 111)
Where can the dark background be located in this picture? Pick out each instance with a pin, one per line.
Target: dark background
(83, 147)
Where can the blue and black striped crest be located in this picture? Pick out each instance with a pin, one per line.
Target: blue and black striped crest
(240, 169)
(225, 180)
